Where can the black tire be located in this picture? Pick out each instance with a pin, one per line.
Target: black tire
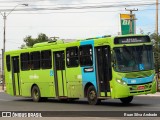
(126, 100)
(92, 96)
(36, 96)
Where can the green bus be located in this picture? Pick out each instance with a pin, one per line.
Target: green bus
(117, 67)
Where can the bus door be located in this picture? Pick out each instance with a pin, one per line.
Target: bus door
(103, 67)
(15, 75)
(59, 74)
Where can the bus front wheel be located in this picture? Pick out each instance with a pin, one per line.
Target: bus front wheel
(36, 94)
(92, 96)
(126, 100)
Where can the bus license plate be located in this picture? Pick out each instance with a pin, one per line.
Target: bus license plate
(140, 88)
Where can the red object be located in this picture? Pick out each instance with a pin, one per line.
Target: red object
(141, 87)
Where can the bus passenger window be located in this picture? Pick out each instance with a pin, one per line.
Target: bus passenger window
(46, 59)
(60, 60)
(8, 63)
(25, 61)
(35, 60)
(86, 58)
(72, 57)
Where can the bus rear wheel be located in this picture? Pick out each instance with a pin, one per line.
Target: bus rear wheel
(126, 100)
(36, 94)
(92, 96)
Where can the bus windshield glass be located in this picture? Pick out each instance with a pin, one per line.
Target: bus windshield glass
(133, 58)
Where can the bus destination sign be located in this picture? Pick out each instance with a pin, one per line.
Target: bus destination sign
(133, 39)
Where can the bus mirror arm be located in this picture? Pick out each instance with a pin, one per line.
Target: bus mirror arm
(113, 61)
(112, 58)
(113, 64)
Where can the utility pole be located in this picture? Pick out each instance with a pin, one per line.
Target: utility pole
(157, 17)
(4, 31)
(131, 19)
(4, 37)
(3, 69)
(157, 42)
(3, 50)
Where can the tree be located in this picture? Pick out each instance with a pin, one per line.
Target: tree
(29, 41)
(156, 39)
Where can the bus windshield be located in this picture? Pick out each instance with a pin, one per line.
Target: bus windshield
(133, 58)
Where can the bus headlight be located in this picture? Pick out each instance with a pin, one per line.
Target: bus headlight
(121, 82)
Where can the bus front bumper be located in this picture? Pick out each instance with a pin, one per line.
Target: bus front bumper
(122, 91)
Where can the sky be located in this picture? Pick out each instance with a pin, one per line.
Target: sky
(70, 19)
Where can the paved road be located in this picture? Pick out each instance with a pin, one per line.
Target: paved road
(140, 103)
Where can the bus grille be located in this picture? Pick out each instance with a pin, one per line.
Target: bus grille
(134, 89)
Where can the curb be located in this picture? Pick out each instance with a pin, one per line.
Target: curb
(1, 90)
(152, 95)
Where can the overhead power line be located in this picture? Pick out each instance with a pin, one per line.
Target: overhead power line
(80, 7)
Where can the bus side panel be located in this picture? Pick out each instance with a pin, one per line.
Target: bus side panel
(45, 81)
(42, 78)
(89, 76)
(8, 82)
(26, 83)
(74, 82)
(75, 90)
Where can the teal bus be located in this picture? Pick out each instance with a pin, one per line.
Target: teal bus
(117, 67)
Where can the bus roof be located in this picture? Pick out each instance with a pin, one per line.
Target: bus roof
(61, 43)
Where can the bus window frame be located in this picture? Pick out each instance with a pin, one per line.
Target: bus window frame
(27, 62)
(43, 60)
(8, 63)
(81, 56)
(77, 60)
(32, 60)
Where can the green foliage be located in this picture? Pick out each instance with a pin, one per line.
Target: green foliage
(156, 38)
(29, 41)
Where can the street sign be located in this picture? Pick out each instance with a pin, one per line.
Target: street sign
(125, 20)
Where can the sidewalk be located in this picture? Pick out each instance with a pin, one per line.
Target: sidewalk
(152, 95)
(1, 88)
(156, 94)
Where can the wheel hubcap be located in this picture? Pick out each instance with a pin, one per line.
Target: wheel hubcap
(92, 95)
(36, 94)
